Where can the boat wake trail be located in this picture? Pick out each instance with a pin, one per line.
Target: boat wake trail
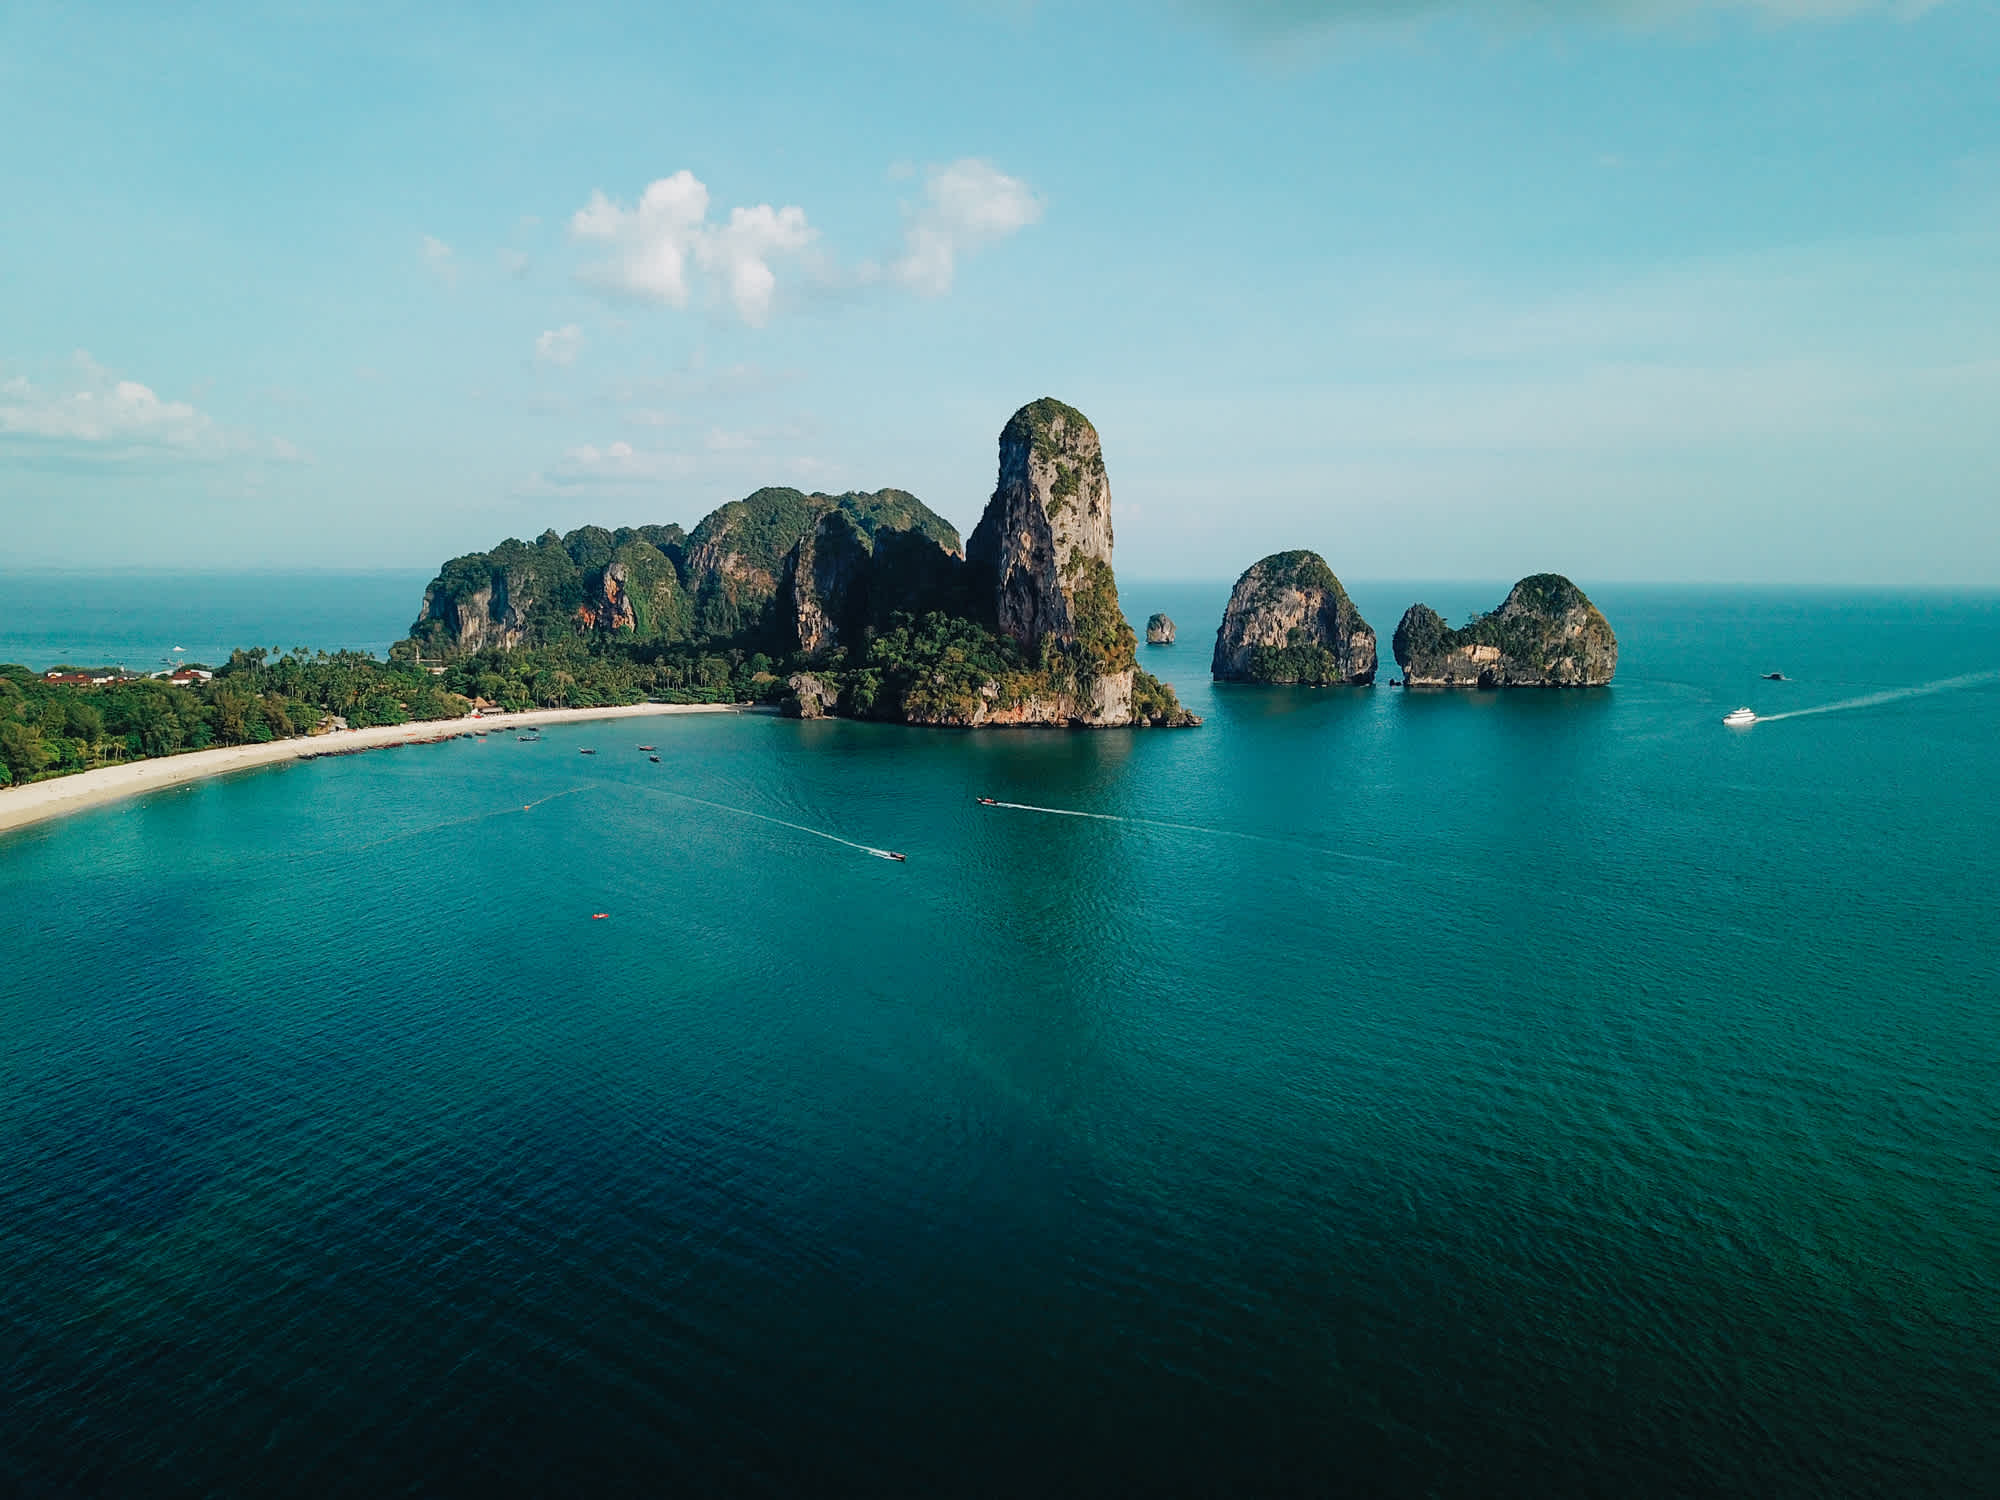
(571, 792)
(1220, 833)
(744, 812)
(413, 833)
(1944, 685)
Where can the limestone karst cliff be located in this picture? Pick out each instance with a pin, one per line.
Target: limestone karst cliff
(1290, 621)
(1045, 538)
(862, 602)
(841, 585)
(823, 598)
(1159, 630)
(637, 592)
(531, 593)
(1041, 554)
(736, 556)
(651, 583)
(1545, 634)
(1026, 630)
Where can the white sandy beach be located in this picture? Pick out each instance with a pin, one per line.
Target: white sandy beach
(41, 800)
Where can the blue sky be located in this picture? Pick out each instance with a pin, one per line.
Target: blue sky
(1668, 290)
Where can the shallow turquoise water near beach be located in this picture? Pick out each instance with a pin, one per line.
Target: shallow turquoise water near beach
(1477, 1093)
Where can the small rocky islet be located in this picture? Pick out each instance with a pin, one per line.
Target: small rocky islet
(1289, 621)
(1546, 633)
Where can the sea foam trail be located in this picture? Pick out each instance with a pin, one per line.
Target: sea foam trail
(1220, 833)
(1943, 685)
(499, 812)
(744, 812)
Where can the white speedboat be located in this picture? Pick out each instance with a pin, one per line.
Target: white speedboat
(1739, 718)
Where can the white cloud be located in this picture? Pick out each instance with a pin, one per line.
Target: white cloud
(559, 346)
(442, 262)
(93, 413)
(741, 253)
(720, 441)
(515, 262)
(654, 250)
(966, 204)
(286, 451)
(609, 466)
(650, 242)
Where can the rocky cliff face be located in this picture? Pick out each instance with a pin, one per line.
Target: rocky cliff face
(636, 592)
(1048, 525)
(1545, 634)
(823, 601)
(866, 594)
(1159, 631)
(841, 582)
(503, 598)
(811, 697)
(525, 594)
(1042, 554)
(1290, 621)
(653, 583)
(1100, 703)
(737, 557)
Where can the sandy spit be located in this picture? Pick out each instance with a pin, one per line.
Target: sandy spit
(40, 801)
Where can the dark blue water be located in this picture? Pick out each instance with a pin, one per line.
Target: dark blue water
(1527, 1092)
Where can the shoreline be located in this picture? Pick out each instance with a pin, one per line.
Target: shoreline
(43, 801)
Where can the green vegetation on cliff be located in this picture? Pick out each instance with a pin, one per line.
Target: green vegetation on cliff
(937, 668)
(1546, 633)
(1295, 570)
(1300, 660)
(1105, 642)
(652, 584)
(1520, 628)
(947, 669)
(1289, 621)
(1048, 427)
(655, 605)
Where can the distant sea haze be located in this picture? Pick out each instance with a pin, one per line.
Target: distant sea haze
(1370, 1091)
(136, 619)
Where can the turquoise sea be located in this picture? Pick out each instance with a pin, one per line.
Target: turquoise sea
(1382, 1093)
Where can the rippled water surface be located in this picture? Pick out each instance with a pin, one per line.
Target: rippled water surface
(1476, 1092)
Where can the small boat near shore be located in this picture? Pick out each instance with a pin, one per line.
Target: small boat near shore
(1776, 677)
(1740, 718)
